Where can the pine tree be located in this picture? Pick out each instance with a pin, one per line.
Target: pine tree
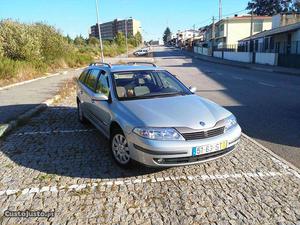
(167, 35)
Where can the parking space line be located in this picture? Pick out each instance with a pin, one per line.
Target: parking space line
(205, 177)
(54, 132)
(266, 84)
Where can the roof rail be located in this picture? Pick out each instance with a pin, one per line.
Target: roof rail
(134, 63)
(100, 63)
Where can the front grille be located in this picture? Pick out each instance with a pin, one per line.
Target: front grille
(203, 134)
(193, 159)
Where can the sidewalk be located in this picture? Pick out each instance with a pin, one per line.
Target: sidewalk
(259, 67)
(17, 100)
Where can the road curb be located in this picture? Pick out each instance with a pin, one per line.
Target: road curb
(7, 127)
(272, 153)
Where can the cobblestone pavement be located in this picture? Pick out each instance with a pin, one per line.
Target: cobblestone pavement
(53, 163)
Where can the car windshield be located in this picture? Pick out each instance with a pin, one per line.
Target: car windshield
(147, 84)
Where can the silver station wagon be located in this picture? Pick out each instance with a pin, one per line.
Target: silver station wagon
(150, 117)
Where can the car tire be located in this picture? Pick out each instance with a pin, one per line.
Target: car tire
(80, 114)
(119, 149)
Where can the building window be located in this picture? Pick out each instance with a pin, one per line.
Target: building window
(258, 26)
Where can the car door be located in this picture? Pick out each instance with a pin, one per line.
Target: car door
(101, 109)
(87, 93)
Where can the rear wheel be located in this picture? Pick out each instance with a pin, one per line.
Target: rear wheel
(120, 149)
(80, 114)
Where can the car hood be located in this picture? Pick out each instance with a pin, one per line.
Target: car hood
(178, 111)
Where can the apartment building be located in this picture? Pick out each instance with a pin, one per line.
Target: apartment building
(230, 30)
(110, 29)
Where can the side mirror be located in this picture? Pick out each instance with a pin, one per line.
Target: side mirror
(193, 89)
(99, 97)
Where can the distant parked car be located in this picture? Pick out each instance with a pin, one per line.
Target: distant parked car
(141, 52)
(149, 116)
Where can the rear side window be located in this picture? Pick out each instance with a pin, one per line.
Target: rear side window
(83, 75)
(102, 85)
(91, 79)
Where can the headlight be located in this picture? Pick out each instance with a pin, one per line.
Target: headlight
(230, 122)
(169, 134)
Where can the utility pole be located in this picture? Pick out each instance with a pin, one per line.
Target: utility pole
(213, 34)
(99, 31)
(251, 27)
(251, 30)
(220, 9)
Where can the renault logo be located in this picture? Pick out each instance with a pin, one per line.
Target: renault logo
(202, 123)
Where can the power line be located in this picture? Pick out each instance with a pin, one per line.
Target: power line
(226, 15)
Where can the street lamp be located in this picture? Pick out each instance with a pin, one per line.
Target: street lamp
(99, 31)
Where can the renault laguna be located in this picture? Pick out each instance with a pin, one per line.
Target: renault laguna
(150, 117)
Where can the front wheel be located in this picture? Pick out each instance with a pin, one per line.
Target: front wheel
(120, 149)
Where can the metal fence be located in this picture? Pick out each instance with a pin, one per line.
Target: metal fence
(266, 47)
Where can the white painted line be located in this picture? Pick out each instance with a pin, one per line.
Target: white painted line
(28, 81)
(266, 84)
(204, 177)
(237, 78)
(54, 132)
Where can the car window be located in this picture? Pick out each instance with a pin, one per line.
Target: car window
(147, 84)
(102, 85)
(91, 79)
(83, 75)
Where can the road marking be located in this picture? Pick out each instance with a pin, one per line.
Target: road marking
(266, 84)
(54, 132)
(237, 78)
(204, 177)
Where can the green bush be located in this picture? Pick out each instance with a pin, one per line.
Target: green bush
(9, 68)
(30, 49)
(19, 41)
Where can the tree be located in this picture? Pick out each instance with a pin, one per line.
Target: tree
(69, 39)
(138, 38)
(167, 35)
(93, 41)
(272, 7)
(79, 40)
(120, 39)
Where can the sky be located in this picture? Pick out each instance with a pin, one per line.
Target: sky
(74, 17)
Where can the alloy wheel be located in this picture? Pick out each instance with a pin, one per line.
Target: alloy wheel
(120, 149)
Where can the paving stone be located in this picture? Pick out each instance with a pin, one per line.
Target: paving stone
(73, 173)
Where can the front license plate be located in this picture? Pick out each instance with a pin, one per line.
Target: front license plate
(204, 149)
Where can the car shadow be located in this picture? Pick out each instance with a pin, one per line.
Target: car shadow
(55, 142)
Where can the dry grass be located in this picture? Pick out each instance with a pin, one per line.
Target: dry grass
(66, 90)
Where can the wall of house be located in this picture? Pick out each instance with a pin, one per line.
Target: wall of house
(238, 30)
(218, 54)
(238, 56)
(200, 50)
(266, 58)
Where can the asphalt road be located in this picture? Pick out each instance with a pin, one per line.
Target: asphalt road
(265, 104)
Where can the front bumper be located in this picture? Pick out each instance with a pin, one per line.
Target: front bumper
(176, 153)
